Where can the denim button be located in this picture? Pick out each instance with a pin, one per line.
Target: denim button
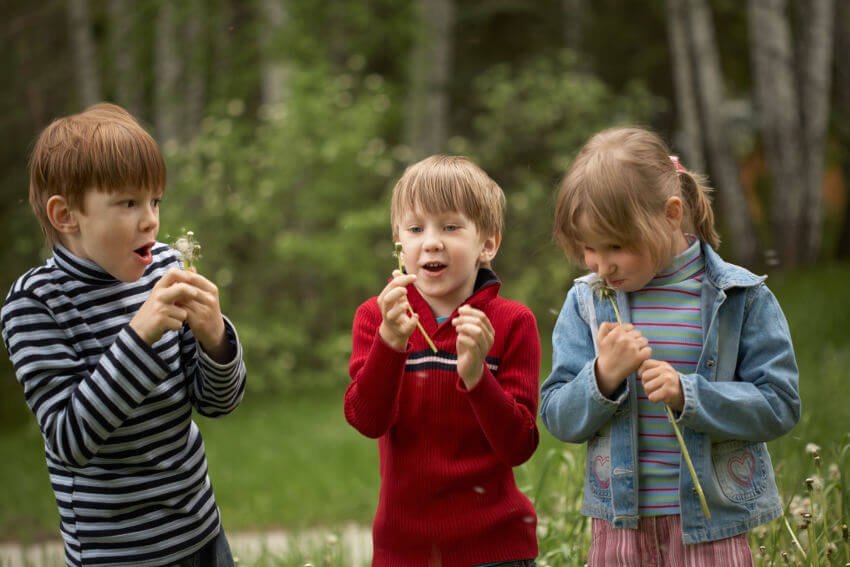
(709, 364)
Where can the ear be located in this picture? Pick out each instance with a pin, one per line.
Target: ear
(61, 215)
(674, 211)
(489, 248)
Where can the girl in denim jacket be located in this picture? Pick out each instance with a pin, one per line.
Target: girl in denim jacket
(705, 337)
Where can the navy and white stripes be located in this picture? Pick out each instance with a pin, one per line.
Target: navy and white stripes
(126, 462)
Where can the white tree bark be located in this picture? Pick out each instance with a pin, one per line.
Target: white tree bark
(720, 157)
(814, 72)
(275, 73)
(85, 53)
(167, 64)
(123, 47)
(684, 84)
(792, 99)
(428, 108)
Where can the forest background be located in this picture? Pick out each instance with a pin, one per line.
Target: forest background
(286, 122)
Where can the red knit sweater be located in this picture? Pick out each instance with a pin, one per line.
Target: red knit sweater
(448, 495)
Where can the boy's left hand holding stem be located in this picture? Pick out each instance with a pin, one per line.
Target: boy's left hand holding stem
(475, 337)
(662, 383)
(206, 320)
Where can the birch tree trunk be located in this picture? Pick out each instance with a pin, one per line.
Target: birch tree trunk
(720, 159)
(274, 71)
(167, 65)
(814, 73)
(428, 108)
(123, 47)
(842, 115)
(684, 84)
(792, 98)
(195, 66)
(85, 54)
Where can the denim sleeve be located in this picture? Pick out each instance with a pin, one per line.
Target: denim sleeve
(761, 401)
(571, 406)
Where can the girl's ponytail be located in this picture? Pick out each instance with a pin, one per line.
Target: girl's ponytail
(698, 203)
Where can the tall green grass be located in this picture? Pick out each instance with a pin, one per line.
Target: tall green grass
(293, 462)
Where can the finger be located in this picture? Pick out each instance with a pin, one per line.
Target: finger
(200, 281)
(170, 277)
(178, 292)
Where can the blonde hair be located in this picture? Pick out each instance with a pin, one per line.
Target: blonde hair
(618, 185)
(101, 148)
(442, 183)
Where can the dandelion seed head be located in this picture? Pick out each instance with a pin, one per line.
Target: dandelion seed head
(188, 248)
(834, 473)
(812, 449)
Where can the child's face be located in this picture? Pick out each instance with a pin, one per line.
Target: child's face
(117, 231)
(623, 269)
(444, 251)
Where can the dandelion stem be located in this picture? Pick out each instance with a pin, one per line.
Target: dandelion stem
(684, 448)
(794, 537)
(398, 254)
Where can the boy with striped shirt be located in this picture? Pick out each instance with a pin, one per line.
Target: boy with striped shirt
(114, 346)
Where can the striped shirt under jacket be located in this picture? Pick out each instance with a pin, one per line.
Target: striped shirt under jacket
(126, 461)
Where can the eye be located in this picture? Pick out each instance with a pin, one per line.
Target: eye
(156, 202)
(451, 227)
(589, 249)
(130, 203)
(414, 229)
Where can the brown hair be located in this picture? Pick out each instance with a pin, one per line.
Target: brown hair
(101, 148)
(618, 185)
(442, 183)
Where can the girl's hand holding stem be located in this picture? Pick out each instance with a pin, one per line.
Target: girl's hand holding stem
(662, 383)
(622, 349)
(398, 321)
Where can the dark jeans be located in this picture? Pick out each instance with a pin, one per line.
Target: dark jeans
(216, 553)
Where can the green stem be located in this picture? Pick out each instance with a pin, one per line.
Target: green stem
(419, 326)
(794, 537)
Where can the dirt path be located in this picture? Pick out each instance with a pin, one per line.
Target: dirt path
(351, 541)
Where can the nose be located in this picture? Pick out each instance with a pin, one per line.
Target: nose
(150, 218)
(433, 240)
(604, 267)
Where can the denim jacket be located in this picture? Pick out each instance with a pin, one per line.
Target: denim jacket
(743, 393)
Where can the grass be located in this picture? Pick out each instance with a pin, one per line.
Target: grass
(294, 462)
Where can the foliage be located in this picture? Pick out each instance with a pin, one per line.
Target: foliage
(292, 218)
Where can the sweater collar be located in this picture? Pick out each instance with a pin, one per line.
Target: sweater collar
(487, 285)
(80, 268)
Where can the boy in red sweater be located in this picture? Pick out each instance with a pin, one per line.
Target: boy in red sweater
(451, 424)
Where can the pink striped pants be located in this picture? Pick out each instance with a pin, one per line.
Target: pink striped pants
(658, 542)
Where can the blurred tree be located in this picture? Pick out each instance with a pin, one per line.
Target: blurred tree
(124, 51)
(721, 161)
(842, 116)
(430, 69)
(85, 53)
(275, 71)
(167, 73)
(791, 91)
(690, 140)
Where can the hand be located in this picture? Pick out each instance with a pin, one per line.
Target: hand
(475, 336)
(397, 324)
(622, 349)
(164, 309)
(203, 313)
(662, 383)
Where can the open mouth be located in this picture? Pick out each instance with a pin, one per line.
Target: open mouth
(433, 267)
(144, 252)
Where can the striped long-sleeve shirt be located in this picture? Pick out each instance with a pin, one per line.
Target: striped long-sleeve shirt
(667, 312)
(126, 461)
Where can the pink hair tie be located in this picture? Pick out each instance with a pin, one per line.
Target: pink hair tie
(677, 164)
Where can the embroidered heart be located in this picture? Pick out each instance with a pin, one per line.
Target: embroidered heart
(602, 471)
(741, 468)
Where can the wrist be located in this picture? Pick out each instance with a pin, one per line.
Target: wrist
(393, 340)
